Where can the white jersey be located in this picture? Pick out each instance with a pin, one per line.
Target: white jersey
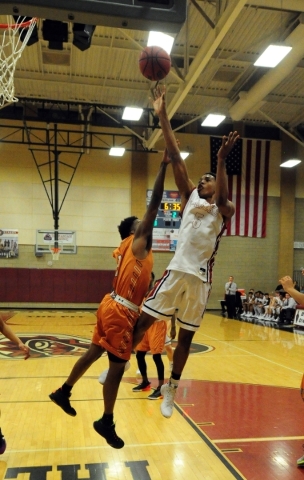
(201, 229)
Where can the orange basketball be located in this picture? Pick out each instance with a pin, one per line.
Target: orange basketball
(154, 63)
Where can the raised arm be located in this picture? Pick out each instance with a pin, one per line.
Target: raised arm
(8, 333)
(288, 285)
(142, 242)
(225, 207)
(182, 180)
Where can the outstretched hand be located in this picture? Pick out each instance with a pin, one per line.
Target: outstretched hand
(159, 103)
(228, 144)
(286, 282)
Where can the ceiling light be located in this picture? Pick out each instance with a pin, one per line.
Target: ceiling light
(290, 163)
(132, 113)
(213, 120)
(272, 56)
(184, 155)
(117, 151)
(162, 40)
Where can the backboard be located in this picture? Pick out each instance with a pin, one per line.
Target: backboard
(45, 239)
(160, 15)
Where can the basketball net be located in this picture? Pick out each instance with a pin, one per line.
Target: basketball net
(11, 48)
(55, 252)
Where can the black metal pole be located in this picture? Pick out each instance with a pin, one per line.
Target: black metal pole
(56, 189)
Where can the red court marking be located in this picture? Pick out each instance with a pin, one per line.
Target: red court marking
(243, 411)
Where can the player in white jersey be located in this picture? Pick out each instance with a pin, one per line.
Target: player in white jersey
(186, 284)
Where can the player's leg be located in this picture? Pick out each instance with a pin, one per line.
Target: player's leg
(143, 323)
(144, 386)
(105, 425)
(61, 395)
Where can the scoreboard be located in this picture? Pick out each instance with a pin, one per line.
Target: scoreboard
(167, 221)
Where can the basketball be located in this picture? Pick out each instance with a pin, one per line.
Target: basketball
(154, 63)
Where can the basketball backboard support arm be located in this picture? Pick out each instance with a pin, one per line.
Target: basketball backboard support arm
(160, 15)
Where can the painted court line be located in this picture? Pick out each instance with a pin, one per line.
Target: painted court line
(261, 439)
(90, 447)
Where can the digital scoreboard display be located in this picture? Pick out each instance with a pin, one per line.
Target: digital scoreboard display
(167, 222)
(170, 206)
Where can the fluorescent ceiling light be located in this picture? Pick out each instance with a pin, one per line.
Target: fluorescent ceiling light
(117, 151)
(159, 39)
(290, 163)
(213, 120)
(184, 155)
(272, 56)
(132, 113)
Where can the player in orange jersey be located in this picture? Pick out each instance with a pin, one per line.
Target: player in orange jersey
(119, 311)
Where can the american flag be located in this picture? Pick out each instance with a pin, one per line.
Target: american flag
(234, 159)
(248, 189)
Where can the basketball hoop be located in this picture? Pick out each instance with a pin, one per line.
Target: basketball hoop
(11, 48)
(55, 252)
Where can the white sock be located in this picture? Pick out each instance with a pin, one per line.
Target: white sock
(173, 383)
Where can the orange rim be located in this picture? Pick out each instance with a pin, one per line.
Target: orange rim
(6, 26)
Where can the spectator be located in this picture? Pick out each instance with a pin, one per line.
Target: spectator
(288, 309)
(248, 305)
(230, 296)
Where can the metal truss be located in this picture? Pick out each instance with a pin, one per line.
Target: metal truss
(50, 143)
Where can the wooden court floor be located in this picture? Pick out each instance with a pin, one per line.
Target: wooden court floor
(238, 412)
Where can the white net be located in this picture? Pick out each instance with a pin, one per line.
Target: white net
(55, 252)
(11, 48)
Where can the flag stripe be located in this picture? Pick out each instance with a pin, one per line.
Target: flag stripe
(256, 189)
(248, 191)
(265, 188)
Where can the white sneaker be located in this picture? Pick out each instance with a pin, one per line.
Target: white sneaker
(168, 392)
(102, 377)
(300, 462)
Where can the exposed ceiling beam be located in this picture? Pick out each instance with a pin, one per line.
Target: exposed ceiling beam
(249, 100)
(287, 5)
(202, 59)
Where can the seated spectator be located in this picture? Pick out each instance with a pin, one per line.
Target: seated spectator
(238, 305)
(258, 304)
(248, 305)
(277, 305)
(288, 309)
(269, 308)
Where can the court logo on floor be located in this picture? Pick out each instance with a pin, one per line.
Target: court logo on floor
(45, 346)
(57, 345)
(197, 347)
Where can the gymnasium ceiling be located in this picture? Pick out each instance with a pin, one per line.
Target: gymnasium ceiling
(213, 56)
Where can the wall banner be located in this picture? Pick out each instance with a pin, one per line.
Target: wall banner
(9, 245)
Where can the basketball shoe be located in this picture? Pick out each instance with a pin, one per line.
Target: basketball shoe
(155, 395)
(63, 402)
(109, 434)
(2, 443)
(168, 391)
(142, 387)
(300, 462)
(102, 377)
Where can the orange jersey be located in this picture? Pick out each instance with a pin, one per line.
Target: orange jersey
(132, 276)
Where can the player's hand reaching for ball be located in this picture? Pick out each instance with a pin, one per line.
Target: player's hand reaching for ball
(227, 144)
(159, 103)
